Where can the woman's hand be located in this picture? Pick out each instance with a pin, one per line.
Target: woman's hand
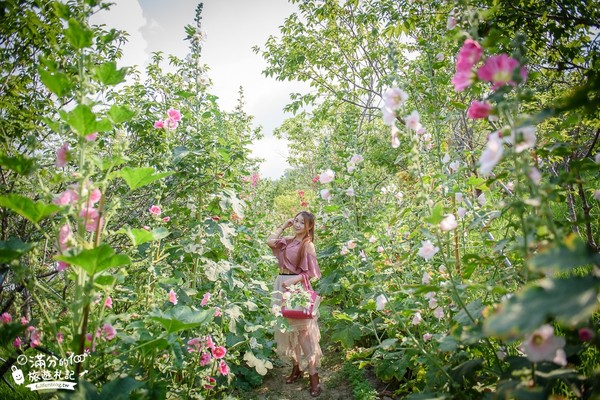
(288, 223)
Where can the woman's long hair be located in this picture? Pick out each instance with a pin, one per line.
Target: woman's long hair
(309, 228)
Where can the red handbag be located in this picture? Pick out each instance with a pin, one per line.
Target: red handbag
(300, 312)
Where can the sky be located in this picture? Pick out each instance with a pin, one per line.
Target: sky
(232, 27)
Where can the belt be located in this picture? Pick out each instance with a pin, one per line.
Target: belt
(288, 274)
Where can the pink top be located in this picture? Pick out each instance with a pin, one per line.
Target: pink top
(289, 258)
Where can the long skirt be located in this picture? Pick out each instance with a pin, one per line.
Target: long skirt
(300, 339)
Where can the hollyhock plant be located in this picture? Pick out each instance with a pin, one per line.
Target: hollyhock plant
(326, 194)
(205, 299)
(171, 124)
(17, 342)
(344, 251)
(65, 238)
(492, 154)
(327, 176)
(173, 297)
(388, 116)
(426, 278)
(219, 352)
(211, 382)
(68, 197)
(461, 212)
(542, 345)
(205, 359)
(209, 342)
(468, 55)
(427, 337)
(350, 192)
(357, 158)
(395, 138)
(108, 303)
(438, 313)
(499, 70)
(412, 120)
(417, 318)
(482, 200)
(394, 98)
(432, 303)
(109, 331)
(453, 166)
(448, 223)
(428, 250)
(159, 124)
(24, 321)
(62, 155)
(61, 266)
(380, 302)
(479, 110)
(174, 114)
(535, 175)
(92, 219)
(351, 244)
(451, 23)
(223, 368)
(5, 318)
(586, 334)
(155, 210)
(462, 80)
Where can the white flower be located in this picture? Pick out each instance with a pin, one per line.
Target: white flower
(380, 249)
(427, 137)
(458, 196)
(427, 337)
(326, 194)
(491, 155)
(394, 98)
(327, 176)
(446, 158)
(363, 256)
(482, 200)
(438, 313)
(427, 250)
(356, 159)
(351, 244)
(433, 303)
(542, 345)
(448, 223)
(395, 139)
(426, 278)
(351, 167)
(372, 239)
(597, 194)
(461, 212)
(399, 196)
(412, 121)
(442, 269)
(417, 319)
(380, 302)
(453, 166)
(451, 22)
(535, 175)
(440, 57)
(389, 116)
(430, 295)
(350, 192)
(523, 138)
(344, 250)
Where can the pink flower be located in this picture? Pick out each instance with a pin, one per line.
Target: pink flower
(395, 139)
(412, 120)
(159, 124)
(450, 23)
(461, 212)
(492, 154)
(363, 255)
(209, 342)
(351, 244)
(60, 337)
(24, 321)
(255, 178)
(166, 219)
(62, 155)
(468, 55)
(174, 114)
(462, 80)
(344, 250)
(146, 227)
(428, 250)
(5, 318)
(417, 319)
(194, 344)
(35, 338)
(173, 297)
(426, 278)
(205, 299)
(535, 175)
(17, 342)
(433, 303)
(171, 123)
(219, 352)
(155, 210)
(108, 302)
(316, 179)
(68, 197)
(61, 266)
(218, 312)
(109, 331)
(327, 176)
(438, 313)
(326, 194)
(91, 137)
(205, 359)
(350, 192)
(65, 238)
(356, 159)
(427, 337)
(394, 98)
(94, 196)
(380, 249)
(542, 345)
(91, 218)
(479, 109)
(210, 383)
(223, 368)
(586, 334)
(499, 70)
(448, 223)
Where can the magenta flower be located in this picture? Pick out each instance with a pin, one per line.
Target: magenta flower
(468, 55)
(174, 114)
(166, 219)
(219, 352)
(17, 342)
(91, 137)
(108, 302)
(35, 338)
(542, 345)
(91, 217)
(62, 155)
(210, 383)
(159, 124)
(499, 70)
(60, 337)
(223, 368)
(173, 297)
(586, 334)
(61, 266)
(205, 359)
(24, 321)
(109, 331)
(462, 80)
(205, 299)
(155, 210)
(479, 110)
(5, 318)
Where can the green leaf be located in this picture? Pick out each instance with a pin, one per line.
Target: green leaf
(140, 236)
(78, 35)
(119, 389)
(347, 334)
(570, 301)
(12, 249)
(142, 176)
(108, 73)
(33, 211)
(572, 253)
(19, 164)
(119, 114)
(57, 82)
(437, 215)
(180, 318)
(475, 308)
(97, 259)
(83, 120)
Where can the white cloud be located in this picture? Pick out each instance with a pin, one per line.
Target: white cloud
(275, 152)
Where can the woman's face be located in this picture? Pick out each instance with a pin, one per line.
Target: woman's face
(299, 224)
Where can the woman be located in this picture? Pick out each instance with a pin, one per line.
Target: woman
(297, 257)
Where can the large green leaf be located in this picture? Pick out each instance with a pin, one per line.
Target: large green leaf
(19, 164)
(118, 114)
(570, 301)
(140, 236)
(346, 334)
(33, 211)
(573, 252)
(97, 259)
(83, 120)
(119, 389)
(179, 318)
(79, 35)
(12, 249)
(57, 82)
(108, 74)
(142, 176)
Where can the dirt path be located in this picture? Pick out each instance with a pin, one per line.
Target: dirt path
(335, 387)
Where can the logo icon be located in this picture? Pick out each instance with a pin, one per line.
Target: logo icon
(17, 375)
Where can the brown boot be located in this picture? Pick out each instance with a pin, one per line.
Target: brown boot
(295, 375)
(315, 386)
